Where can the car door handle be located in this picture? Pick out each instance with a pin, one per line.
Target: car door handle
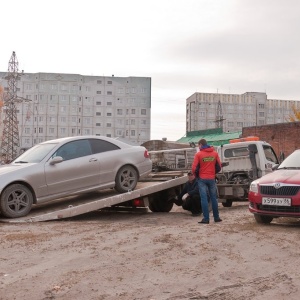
(93, 159)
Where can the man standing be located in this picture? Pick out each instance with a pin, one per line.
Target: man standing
(207, 163)
(189, 197)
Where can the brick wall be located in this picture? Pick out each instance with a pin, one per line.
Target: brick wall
(284, 137)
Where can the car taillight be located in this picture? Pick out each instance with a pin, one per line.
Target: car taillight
(146, 154)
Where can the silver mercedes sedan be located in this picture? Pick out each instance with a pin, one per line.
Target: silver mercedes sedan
(66, 166)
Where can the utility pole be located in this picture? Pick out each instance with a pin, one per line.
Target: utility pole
(10, 136)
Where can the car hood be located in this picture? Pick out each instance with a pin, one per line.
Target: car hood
(284, 176)
(5, 169)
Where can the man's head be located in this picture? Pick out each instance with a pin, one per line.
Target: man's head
(202, 142)
(191, 176)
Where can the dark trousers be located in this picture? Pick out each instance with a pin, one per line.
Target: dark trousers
(193, 204)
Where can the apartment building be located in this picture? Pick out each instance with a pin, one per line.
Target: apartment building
(234, 111)
(59, 105)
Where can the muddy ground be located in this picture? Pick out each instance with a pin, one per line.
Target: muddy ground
(122, 255)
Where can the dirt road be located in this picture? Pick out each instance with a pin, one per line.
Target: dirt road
(114, 255)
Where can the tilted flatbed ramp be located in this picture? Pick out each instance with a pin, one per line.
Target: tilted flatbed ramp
(76, 205)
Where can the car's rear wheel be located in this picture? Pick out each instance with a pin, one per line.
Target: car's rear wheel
(126, 179)
(227, 203)
(16, 201)
(161, 202)
(263, 219)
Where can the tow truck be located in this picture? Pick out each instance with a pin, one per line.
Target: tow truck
(243, 160)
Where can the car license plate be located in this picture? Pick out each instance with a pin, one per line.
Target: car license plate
(276, 201)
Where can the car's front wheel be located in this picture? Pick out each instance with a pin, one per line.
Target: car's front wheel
(16, 201)
(263, 219)
(126, 179)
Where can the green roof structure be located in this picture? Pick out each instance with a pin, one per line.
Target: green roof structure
(214, 137)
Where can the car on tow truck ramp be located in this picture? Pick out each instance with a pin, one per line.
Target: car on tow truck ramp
(277, 194)
(69, 166)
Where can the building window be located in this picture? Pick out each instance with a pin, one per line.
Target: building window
(98, 124)
(63, 87)
(98, 113)
(119, 112)
(108, 124)
(261, 105)
(261, 114)
(143, 111)
(108, 114)
(109, 82)
(230, 124)
(98, 92)
(109, 93)
(109, 103)
(40, 129)
(87, 110)
(132, 132)
(63, 130)
(99, 81)
(133, 111)
(51, 130)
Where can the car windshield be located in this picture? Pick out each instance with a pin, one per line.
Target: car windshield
(292, 161)
(35, 154)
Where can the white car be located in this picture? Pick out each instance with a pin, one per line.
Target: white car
(66, 166)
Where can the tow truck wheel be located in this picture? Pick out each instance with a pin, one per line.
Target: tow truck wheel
(16, 201)
(227, 203)
(263, 219)
(126, 179)
(159, 202)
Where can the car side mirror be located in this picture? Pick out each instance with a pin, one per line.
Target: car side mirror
(56, 160)
(275, 167)
(225, 164)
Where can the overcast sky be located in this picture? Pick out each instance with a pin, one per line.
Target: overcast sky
(185, 46)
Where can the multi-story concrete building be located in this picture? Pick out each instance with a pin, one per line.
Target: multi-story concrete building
(233, 111)
(60, 105)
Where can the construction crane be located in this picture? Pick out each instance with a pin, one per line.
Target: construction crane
(10, 136)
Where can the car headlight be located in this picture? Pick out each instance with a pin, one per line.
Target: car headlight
(254, 187)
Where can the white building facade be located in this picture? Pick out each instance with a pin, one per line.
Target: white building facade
(59, 105)
(234, 111)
